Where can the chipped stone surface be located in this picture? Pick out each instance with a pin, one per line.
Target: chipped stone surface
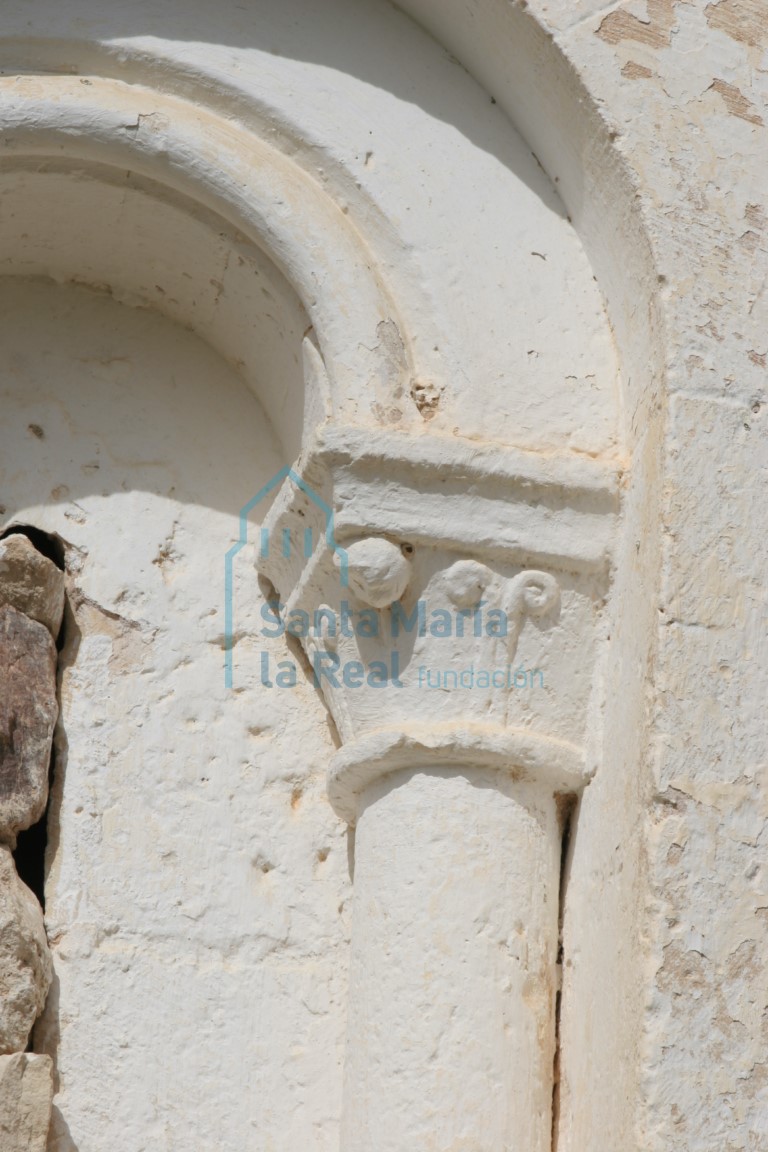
(26, 1089)
(736, 102)
(30, 582)
(655, 29)
(744, 20)
(25, 961)
(28, 711)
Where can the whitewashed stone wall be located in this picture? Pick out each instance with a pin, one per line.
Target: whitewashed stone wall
(494, 286)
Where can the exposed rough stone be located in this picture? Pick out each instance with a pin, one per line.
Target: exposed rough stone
(26, 1089)
(28, 711)
(31, 582)
(25, 962)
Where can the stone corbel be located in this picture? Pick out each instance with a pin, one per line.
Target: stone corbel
(31, 608)
(448, 619)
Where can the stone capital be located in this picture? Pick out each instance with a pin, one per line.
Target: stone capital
(445, 601)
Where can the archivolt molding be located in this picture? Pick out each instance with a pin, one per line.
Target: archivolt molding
(229, 170)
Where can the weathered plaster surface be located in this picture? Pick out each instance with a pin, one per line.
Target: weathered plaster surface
(224, 867)
(683, 86)
(202, 958)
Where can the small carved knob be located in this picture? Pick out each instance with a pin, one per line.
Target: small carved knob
(466, 580)
(377, 571)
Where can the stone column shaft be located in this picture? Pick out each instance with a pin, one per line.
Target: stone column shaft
(451, 1021)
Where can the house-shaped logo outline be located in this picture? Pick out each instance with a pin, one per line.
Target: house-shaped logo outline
(229, 560)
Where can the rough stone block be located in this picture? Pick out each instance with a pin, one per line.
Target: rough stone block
(31, 582)
(25, 961)
(28, 711)
(26, 1090)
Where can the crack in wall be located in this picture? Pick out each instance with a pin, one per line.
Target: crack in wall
(566, 809)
